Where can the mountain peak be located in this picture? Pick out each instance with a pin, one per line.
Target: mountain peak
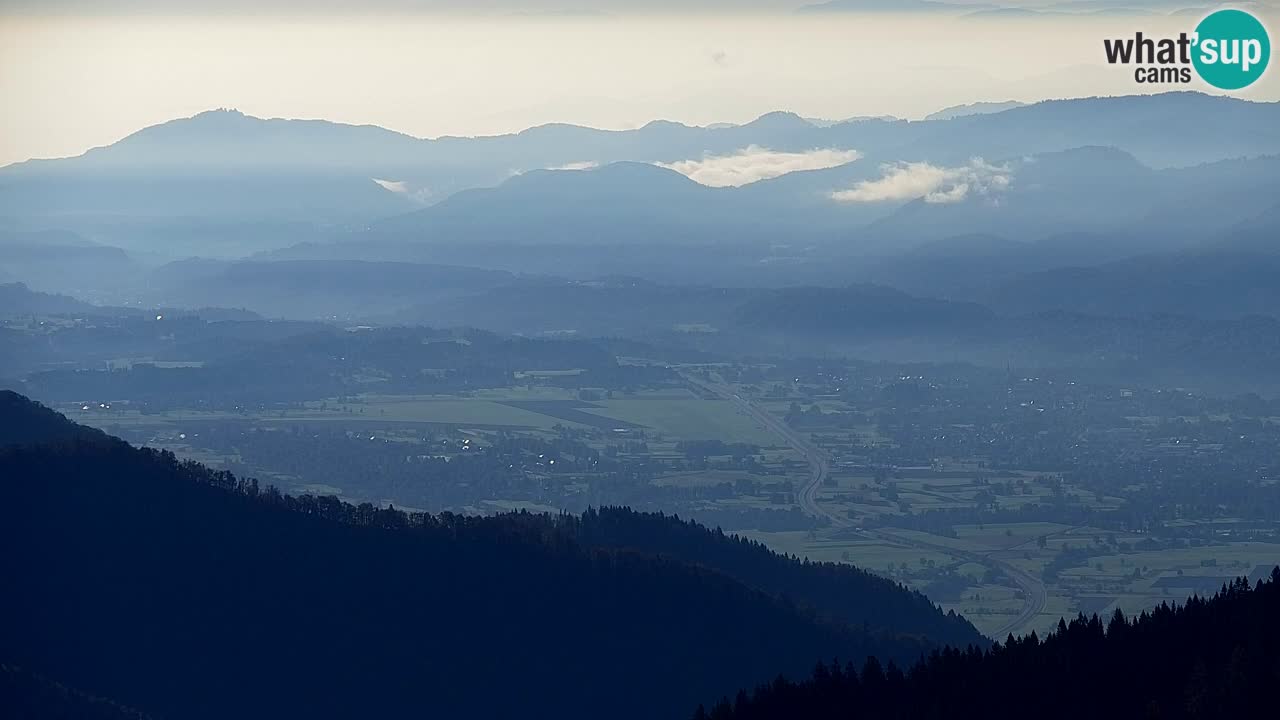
(218, 113)
(976, 108)
(204, 121)
(779, 119)
(664, 124)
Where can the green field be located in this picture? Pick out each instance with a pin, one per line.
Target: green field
(687, 417)
(1100, 584)
(674, 413)
(1109, 577)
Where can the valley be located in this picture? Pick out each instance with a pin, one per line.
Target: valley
(969, 407)
(822, 467)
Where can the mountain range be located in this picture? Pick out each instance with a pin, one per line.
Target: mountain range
(1090, 216)
(226, 164)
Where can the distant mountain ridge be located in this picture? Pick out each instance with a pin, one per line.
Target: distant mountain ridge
(634, 217)
(224, 163)
(977, 108)
(17, 299)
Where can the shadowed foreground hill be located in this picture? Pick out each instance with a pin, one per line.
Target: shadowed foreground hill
(1205, 659)
(189, 593)
(26, 696)
(842, 592)
(23, 422)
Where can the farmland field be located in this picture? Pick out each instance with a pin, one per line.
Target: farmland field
(686, 416)
(753, 489)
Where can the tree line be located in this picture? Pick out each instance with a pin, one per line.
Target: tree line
(1207, 658)
(187, 592)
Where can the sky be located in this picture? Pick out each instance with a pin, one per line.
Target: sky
(77, 74)
(625, 7)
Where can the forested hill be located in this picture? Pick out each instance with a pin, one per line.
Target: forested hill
(27, 696)
(189, 593)
(842, 592)
(1211, 658)
(23, 421)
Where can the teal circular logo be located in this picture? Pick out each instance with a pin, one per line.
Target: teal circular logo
(1232, 49)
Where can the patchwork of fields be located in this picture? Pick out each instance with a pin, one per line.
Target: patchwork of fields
(1106, 571)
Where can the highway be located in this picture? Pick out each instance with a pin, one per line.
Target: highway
(1033, 590)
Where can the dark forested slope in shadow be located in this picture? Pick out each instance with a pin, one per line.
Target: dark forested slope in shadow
(842, 592)
(185, 592)
(1208, 658)
(27, 696)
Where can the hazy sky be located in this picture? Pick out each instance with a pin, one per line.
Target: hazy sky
(71, 79)
(628, 7)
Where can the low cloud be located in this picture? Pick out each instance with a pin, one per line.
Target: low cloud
(580, 165)
(395, 186)
(910, 181)
(400, 187)
(755, 163)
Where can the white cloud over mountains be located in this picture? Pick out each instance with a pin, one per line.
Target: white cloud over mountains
(912, 180)
(755, 163)
(579, 165)
(400, 187)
